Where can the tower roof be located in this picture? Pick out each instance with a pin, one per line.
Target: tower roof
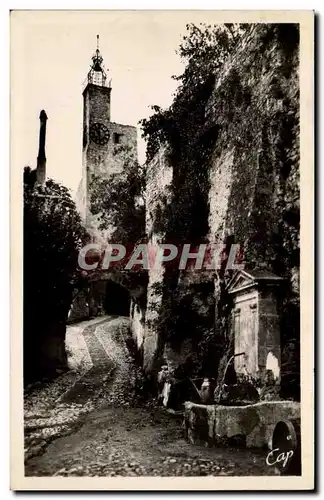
(97, 74)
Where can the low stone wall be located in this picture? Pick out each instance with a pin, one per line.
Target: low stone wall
(79, 310)
(253, 424)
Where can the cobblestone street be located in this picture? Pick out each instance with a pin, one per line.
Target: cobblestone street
(90, 423)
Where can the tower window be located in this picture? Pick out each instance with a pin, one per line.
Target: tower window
(117, 138)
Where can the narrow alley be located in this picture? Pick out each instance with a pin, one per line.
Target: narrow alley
(90, 422)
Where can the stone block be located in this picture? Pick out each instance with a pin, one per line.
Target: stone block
(213, 423)
(199, 423)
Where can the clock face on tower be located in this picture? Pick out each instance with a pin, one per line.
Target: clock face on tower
(99, 133)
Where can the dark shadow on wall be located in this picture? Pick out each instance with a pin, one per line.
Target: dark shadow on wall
(117, 299)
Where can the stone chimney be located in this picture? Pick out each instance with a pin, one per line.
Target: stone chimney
(41, 158)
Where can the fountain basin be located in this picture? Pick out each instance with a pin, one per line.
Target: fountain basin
(251, 424)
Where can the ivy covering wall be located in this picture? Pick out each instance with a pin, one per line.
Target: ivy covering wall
(231, 137)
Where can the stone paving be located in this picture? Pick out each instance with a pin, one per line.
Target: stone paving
(101, 369)
(113, 434)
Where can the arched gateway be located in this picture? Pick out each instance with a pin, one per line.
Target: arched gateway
(107, 294)
(117, 299)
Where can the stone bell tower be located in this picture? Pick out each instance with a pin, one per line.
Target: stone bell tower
(105, 143)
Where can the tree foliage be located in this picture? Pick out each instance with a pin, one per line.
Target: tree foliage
(120, 202)
(203, 50)
(53, 235)
(190, 141)
(260, 124)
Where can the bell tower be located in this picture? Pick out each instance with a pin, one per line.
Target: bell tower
(97, 92)
(105, 143)
(96, 117)
(97, 74)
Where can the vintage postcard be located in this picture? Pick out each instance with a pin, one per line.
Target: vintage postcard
(162, 196)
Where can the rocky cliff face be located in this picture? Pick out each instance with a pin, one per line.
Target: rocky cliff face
(254, 177)
(254, 195)
(254, 169)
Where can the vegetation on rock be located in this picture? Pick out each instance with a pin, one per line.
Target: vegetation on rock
(253, 111)
(183, 217)
(120, 207)
(120, 203)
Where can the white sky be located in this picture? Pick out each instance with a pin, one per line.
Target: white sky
(50, 57)
(51, 61)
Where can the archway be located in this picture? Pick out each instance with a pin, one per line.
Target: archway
(117, 299)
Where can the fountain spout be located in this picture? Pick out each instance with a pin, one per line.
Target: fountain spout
(225, 371)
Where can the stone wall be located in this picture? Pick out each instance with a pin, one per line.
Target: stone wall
(254, 177)
(254, 172)
(79, 309)
(108, 160)
(159, 178)
(254, 423)
(254, 196)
